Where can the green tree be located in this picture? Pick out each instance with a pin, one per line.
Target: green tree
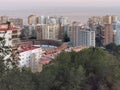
(78, 82)
(11, 78)
(111, 47)
(66, 38)
(89, 69)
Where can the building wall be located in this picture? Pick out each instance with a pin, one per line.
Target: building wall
(87, 38)
(48, 32)
(8, 37)
(17, 21)
(4, 19)
(74, 33)
(80, 36)
(109, 19)
(32, 19)
(70, 33)
(117, 35)
(11, 34)
(30, 57)
(108, 34)
(41, 20)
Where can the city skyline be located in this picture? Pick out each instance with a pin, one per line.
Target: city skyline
(36, 4)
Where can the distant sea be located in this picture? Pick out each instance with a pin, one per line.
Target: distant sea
(80, 14)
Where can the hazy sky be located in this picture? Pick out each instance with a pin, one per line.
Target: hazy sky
(26, 4)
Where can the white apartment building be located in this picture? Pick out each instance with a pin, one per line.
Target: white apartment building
(86, 38)
(41, 20)
(11, 34)
(80, 35)
(63, 20)
(117, 35)
(29, 56)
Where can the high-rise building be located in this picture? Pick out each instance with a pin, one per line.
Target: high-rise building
(108, 34)
(29, 32)
(86, 38)
(114, 19)
(53, 20)
(63, 29)
(73, 32)
(40, 31)
(41, 20)
(32, 32)
(53, 32)
(80, 35)
(63, 20)
(109, 19)
(47, 31)
(17, 21)
(4, 19)
(47, 20)
(117, 35)
(77, 27)
(95, 19)
(32, 20)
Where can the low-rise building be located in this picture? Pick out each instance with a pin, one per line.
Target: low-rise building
(29, 56)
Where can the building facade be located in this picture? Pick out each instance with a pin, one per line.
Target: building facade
(29, 56)
(45, 31)
(17, 21)
(32, 20)
(87, 38)
(4, 19)
(108, 34)
(117, 35)
(11, 34)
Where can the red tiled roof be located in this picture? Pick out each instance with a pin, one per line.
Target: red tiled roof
(76, 49)
(27, 48)
(8, 29)
(45, 61)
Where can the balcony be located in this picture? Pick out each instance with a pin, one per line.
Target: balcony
(14, 32)
(15, 36)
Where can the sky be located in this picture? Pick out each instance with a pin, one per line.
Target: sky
(28, 4)
(75, 9)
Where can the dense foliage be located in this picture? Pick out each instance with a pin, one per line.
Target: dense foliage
(113, 49)
(90, 69)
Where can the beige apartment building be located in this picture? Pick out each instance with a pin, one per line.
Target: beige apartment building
(108, 34)
(47, 31)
